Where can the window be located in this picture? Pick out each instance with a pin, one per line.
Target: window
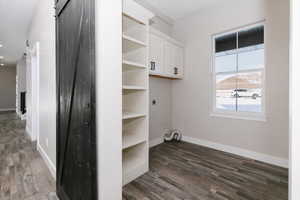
(238, 72)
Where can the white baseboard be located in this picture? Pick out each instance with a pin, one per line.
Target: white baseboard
(155, 142)
(49, 163)
(28, 132)
(18, 113)
(7, 109)
(23, 117)
(241, 152)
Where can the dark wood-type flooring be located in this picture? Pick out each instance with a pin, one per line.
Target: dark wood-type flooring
(23, 173)
(178, 171)
(191, 172)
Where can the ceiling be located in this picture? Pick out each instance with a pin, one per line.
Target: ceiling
(16, 15)
(176, 9)
(15, 19)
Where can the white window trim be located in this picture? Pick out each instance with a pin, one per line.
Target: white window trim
(233, 114)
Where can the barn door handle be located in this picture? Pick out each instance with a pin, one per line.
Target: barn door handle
(152, 64)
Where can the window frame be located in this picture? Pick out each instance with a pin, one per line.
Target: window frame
(215, 112)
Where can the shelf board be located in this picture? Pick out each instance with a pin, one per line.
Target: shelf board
(133, 87)
(160, 75)
(132, 141)
(134, 20)
(130, 115)
(130, 43)
(133, 40)
(129, 64)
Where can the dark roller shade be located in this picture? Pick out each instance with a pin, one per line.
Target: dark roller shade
(227, 42)
(251, 37)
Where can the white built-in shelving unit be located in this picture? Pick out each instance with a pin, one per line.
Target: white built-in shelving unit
(135, 90)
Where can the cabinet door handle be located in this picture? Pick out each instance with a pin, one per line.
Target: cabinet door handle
(152, 65)
(175, 70)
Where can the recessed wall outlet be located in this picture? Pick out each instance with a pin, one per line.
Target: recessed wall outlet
(47, 142)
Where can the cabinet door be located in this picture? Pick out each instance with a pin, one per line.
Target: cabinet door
(156, 57)
(174, 60)
(179, 61)
(169, 58)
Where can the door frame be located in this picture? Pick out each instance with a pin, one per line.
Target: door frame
(33, 101)
(35, 63)
(294, 113)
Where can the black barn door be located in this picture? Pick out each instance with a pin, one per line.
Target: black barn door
(76, 139)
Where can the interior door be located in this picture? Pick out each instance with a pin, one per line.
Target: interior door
(156, 54)
(76, 135)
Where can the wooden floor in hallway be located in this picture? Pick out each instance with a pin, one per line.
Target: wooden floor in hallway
(23, 173)
(178, 171)
(183, 171)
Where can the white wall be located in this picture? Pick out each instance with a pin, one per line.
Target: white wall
(7, 88)
(160, 113)
(43, 30)
(109, 98)
(21, 73)
(191, 97)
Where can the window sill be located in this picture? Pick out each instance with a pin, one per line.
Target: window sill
(260, 118)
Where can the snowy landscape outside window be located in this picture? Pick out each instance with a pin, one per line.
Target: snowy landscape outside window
(239, 67)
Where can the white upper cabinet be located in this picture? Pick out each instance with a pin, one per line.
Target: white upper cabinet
(156, 54)
(166, 58)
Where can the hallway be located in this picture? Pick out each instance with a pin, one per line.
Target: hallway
(23, 173)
